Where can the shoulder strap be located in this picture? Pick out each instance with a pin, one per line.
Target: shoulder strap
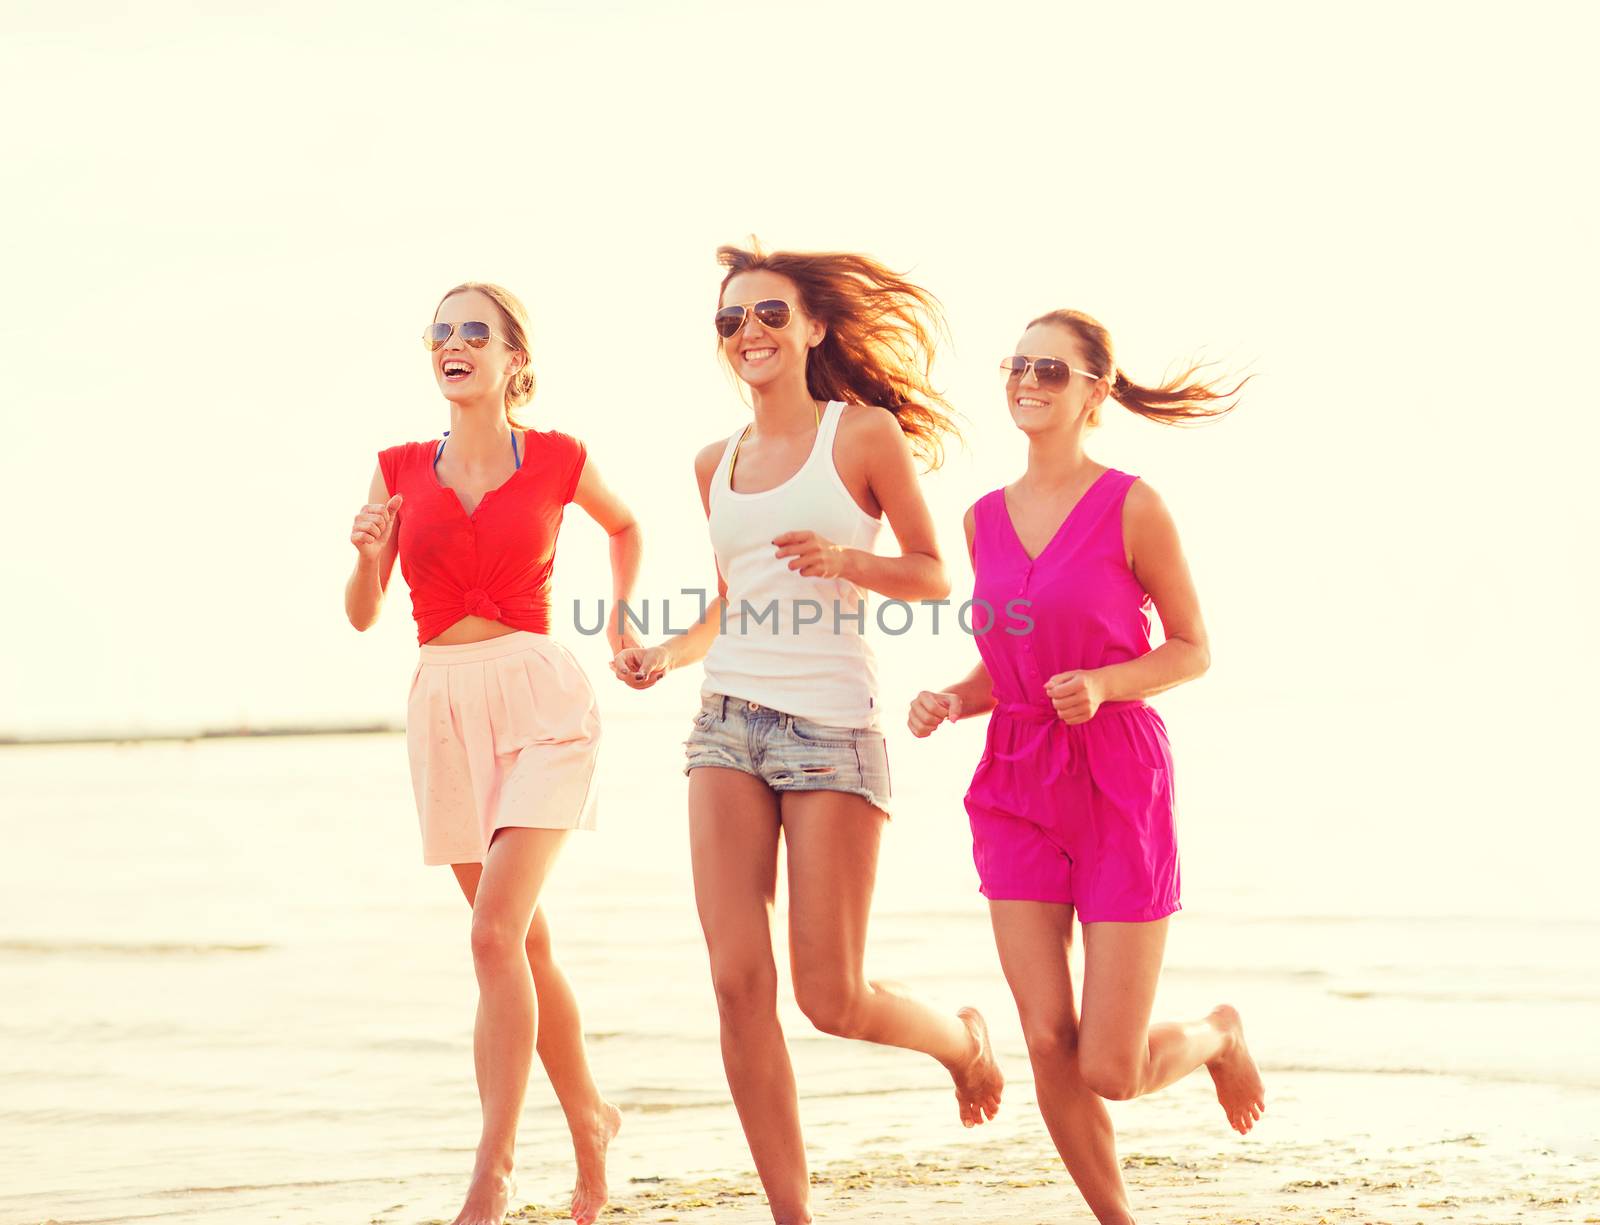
(720, 477)
(516, 455)
(829, 426)
(821, 456)
(1117, 484)
(822, 444)
(1103, 519)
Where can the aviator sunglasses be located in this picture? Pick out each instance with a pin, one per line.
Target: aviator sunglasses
(1051, 372)
(474, 334)
(773, 313)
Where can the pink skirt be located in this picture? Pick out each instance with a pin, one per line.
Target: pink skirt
(501, 733)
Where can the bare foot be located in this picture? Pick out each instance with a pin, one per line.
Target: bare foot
(487, 1199)
(978, 1082)
(1238, 1080)
(590, 1195)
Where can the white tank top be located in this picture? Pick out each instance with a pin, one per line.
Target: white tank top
(790, 642)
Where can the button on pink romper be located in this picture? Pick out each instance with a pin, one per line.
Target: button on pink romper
(1082, 813)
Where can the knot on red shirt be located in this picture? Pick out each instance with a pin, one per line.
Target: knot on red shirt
(479, 604)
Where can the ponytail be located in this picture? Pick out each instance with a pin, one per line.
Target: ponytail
(519, 390)
(1178, 401)
(1183, 400)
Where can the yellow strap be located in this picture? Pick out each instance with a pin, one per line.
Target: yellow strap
(734, 458)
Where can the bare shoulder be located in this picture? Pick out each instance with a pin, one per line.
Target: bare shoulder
(869, 424)
(1147, 524)
(707, 458)
(1144, 505)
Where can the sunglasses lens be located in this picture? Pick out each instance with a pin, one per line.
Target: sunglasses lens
(435, 334)
(475, 334)
(1014, 366)
(772, 313)
(1051, 373)
(728, 320)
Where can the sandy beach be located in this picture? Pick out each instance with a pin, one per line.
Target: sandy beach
(1005, 1184)
(1333, 1148)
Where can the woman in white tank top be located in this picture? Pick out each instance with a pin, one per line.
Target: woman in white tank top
(834, 349)
(792, 641)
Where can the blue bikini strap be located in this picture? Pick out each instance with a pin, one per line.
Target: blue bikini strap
(439, 450)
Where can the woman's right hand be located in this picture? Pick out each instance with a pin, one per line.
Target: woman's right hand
(640, 667)
(373, 526)
(929, 709)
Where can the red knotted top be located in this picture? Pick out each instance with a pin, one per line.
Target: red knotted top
(495, 562)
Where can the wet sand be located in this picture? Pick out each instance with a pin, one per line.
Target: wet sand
(1334, 1148)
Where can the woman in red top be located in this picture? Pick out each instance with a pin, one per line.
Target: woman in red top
(501, 723)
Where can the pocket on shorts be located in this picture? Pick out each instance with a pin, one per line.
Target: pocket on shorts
(1146, 740)
(706, 731)
(822, 733)
(713, 744)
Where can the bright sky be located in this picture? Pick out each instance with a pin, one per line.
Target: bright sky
(226, 230)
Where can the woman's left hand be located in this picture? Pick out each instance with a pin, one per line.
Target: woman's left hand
(812, 555)
(1075, 695)
(640, 667)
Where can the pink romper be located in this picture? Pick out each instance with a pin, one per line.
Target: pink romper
(1079, 814)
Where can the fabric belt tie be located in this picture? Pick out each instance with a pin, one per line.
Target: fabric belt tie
(478, 604)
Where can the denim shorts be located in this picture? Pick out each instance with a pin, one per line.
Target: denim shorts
(789, 753)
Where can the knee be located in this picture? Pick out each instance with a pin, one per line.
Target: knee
(496, 945)
(744, 989)
(537, 943)
(1051, 1039)
(831, 1003)
(1109, 1076)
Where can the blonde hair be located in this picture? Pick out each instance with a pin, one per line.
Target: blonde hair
(514, 319)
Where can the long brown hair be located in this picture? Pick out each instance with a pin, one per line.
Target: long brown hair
(1182, 400)
(514, 319)
(880, 339)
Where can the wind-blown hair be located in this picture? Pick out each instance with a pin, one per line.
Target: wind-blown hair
(1181, 400)
(880, 340)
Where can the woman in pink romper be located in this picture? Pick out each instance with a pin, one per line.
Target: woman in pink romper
(1071, 805)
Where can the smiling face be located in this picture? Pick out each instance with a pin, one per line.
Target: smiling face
(466, 374)
(1036, 409)
(763, 357)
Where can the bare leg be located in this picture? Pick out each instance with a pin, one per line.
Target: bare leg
(1124, 1056)
(833, 841)
(733, 843)
(591, 1119)
(1033, 938)
(514, 872)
